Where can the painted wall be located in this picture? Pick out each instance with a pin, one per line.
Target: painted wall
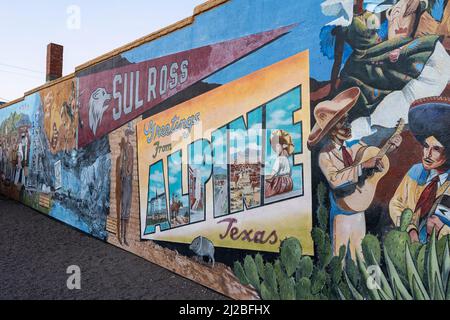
(263, 147)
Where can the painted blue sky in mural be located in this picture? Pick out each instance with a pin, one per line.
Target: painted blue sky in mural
(246, 138)
(26, 107)
(156, 181)
(279, 117)
(200, 159)
(176, 178)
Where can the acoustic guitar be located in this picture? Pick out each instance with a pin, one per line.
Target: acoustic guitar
(361, 199)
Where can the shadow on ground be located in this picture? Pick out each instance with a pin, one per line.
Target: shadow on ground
(36, 251)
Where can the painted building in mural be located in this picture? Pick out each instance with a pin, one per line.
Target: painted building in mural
(304, 135)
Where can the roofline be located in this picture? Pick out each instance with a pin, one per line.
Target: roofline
(50, 84)
(44, 86)
(10, 103)
(202, 8)
(210, 4)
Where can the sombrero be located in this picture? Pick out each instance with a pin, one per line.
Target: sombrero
(284, 138)
(329, 113)
(431, 117)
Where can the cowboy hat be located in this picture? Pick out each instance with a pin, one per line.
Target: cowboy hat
(330, 112)
(430, 117)
(129, 132)
(284, 139)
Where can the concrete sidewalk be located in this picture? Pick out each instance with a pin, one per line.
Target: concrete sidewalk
(36, 251)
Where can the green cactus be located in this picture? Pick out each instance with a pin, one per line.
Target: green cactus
(426, 277)
(323, 246)
(446, 269)
(352, 270)
(303, 289)
(441, 243)
(322, 211)
(259, 261)
(321, 193)
(305, 268)
(318, 281)
(371, 249)
(421, 262)
(342, 252)
(270, 278)
(327, 289)
(269, 293)
(318, 236)
(320, 296)
(335, 270)
(406, 219)
(287, 288)
(278, 270)
(322, 217)
(240, 273)
(415, 249)
(251, 271)
(290, 255)
(265, 292)
(343, 291)
(409, 271)
(395, 243)
(434, 274)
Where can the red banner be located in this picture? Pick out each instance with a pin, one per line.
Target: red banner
(109, 99)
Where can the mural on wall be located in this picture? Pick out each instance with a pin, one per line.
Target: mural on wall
(192, 163)
(73, 180)
(111, 98)
(122, 226)
(16, 126)
(389, 65)
(209, 142)
(122, 191)
(41, 166)
(60, 116)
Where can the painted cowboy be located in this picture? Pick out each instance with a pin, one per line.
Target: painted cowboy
(126, 177)
(336, 160)
(427, 183)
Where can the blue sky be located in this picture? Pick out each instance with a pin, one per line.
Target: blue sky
(28, 26)
(106, 25)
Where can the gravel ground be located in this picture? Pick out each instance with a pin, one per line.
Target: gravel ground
(35, 252)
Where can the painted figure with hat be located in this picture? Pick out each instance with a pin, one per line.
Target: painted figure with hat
(280, 181)
(393, 67)
(427, 183)
(337, 163)
(126, 181)
(22, 160)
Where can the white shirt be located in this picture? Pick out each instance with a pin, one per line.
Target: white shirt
(442, 177)
(281, 167)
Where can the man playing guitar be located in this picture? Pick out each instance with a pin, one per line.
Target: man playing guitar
(336, 161)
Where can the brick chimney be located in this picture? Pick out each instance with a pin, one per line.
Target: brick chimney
(54, 61)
